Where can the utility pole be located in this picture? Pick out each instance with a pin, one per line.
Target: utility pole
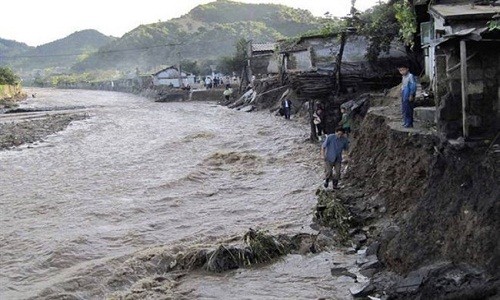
(343, 37)
(179, 68)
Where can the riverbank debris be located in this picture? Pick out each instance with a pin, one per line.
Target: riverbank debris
(330, 212)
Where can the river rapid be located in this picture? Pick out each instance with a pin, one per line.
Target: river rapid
(138, 176)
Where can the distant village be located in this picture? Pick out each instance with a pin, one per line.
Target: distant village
(455, 59)
(457, 62)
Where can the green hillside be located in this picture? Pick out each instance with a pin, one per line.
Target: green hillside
(11, 49)
(65, 52)
(60, 54)
(207, 32)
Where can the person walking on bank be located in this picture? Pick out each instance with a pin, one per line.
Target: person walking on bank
(346, 121)
(318, 121)
(227, 92)
(408, 91)
(286, 104)
(331, 151)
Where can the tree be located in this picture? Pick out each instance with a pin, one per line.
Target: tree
(190, 66)
(405, 15)
(494, 23)
(386, 22)
(8, 77)
(227, 64)
(241, 55)
(380, 26)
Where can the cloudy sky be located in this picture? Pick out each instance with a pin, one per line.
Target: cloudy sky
(37, 22)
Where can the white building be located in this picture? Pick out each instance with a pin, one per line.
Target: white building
(170, 76)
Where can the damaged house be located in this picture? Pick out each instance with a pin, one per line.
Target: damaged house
(262, 59)
(462, 60)
(311, 64)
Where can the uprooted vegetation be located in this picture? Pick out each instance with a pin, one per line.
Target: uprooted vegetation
(332, 213)
(156, 272)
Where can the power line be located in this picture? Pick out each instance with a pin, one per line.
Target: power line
(97, 52)
(118, 50)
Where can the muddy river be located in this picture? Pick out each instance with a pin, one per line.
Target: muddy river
(138, 175)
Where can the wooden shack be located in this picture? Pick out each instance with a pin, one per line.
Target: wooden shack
(463, 63)
(311, 64)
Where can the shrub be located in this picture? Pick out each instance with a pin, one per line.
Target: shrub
(8, 77)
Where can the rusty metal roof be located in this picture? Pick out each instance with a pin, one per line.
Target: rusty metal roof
(464, 11)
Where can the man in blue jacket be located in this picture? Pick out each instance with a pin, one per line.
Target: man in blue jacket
(408, 91)
(331, 151)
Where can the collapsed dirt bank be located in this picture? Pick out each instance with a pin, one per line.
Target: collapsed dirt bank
(429, 209)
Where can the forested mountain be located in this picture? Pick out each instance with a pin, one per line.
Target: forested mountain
(62, 53)
(10, 49)
(207, 32)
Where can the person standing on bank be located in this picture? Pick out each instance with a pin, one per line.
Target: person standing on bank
(331, 151)
(286, 104)
(346, 121)
(408, 91)
(227, 92)
(318, 121)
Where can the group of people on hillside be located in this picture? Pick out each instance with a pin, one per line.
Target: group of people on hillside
(319, 116)
(335, 144)
(213, 83)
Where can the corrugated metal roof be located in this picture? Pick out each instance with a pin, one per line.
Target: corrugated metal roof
(263, 47)
(464, 10)
(470, 34)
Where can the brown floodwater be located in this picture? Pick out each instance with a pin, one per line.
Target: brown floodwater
(138, 176)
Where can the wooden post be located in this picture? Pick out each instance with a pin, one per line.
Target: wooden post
(338, 82)
(249, 64)
(179, 68)
(463, 73)
(314, 134)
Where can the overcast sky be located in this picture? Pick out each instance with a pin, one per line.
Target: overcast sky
(36, 22)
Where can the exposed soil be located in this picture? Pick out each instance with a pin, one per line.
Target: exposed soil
(429, 205)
